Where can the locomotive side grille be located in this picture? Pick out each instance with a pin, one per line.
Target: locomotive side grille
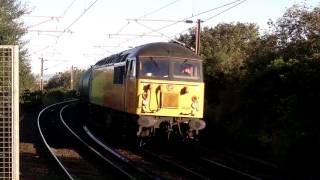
(170, 100)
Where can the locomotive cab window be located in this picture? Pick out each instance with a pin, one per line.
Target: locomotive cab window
(177, 69)
(154, 68)
(118, 75)
(131, 69)
(186, 70)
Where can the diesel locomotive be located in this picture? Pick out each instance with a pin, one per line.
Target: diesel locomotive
(159, 85)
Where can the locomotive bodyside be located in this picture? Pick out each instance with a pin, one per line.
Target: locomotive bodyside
(105, 92)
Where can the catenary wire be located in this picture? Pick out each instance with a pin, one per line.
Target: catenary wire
(213, 16)
(78, 18)
(182, 20)
(204, 12)
(68, 8)
(148, 14)
(159, 9)
(224, 10)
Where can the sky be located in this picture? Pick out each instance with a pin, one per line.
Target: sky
(78, 33)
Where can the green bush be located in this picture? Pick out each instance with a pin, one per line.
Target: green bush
(53, 96)
(30, 100)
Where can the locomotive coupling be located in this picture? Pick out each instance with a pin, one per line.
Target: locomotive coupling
(197, 124)
(146, 121)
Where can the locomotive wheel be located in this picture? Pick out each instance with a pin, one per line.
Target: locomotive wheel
(144, 138)
(141, 142)
(164, 132)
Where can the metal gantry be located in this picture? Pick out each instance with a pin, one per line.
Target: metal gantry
(9, 112)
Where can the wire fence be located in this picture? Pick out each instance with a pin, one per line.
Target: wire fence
(9, 113)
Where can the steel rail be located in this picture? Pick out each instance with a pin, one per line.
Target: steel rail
(229, 168)
(46, 143)
(91, 148)
(252, 159)
(175, 165)
(115, 153)
(104, 146)
(190, 172)
(264, 167)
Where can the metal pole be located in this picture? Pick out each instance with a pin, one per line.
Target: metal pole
(198, 37)
(71, 79)
(15, 114)
(41, 76)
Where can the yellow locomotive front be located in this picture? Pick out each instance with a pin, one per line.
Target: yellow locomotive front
(169, 96)
(158, 84)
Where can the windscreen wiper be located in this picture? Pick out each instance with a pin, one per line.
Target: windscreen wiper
(154, 62)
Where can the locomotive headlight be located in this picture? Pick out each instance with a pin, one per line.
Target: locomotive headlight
(144, 102)
(144, 105)
(145, 95)
(194, 99)
(194, 105)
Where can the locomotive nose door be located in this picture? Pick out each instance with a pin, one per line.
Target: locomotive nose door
(130, 86)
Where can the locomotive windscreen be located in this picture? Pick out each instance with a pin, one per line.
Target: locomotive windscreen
(154, 68)
(172, 69)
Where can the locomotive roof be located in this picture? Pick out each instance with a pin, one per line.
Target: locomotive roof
(162, 49)
(158, 49)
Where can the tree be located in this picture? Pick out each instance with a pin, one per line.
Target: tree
(262, 91)
(298, 33)
(224, 47)
(11, 32)
(62, 80)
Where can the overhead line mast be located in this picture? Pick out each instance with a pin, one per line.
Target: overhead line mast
(71, 78)
(198, 32)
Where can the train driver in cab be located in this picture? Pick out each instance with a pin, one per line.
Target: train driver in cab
(187, 69)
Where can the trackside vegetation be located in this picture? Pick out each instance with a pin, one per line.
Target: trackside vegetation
(57, 89)
(12, 30)
(262, 89)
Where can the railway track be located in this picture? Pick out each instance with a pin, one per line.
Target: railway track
(244, 163)
(73, 160)
(45, 141)
(164, 169)
(175, 167)
(200, 168)
(111, 157)
(127, 163)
